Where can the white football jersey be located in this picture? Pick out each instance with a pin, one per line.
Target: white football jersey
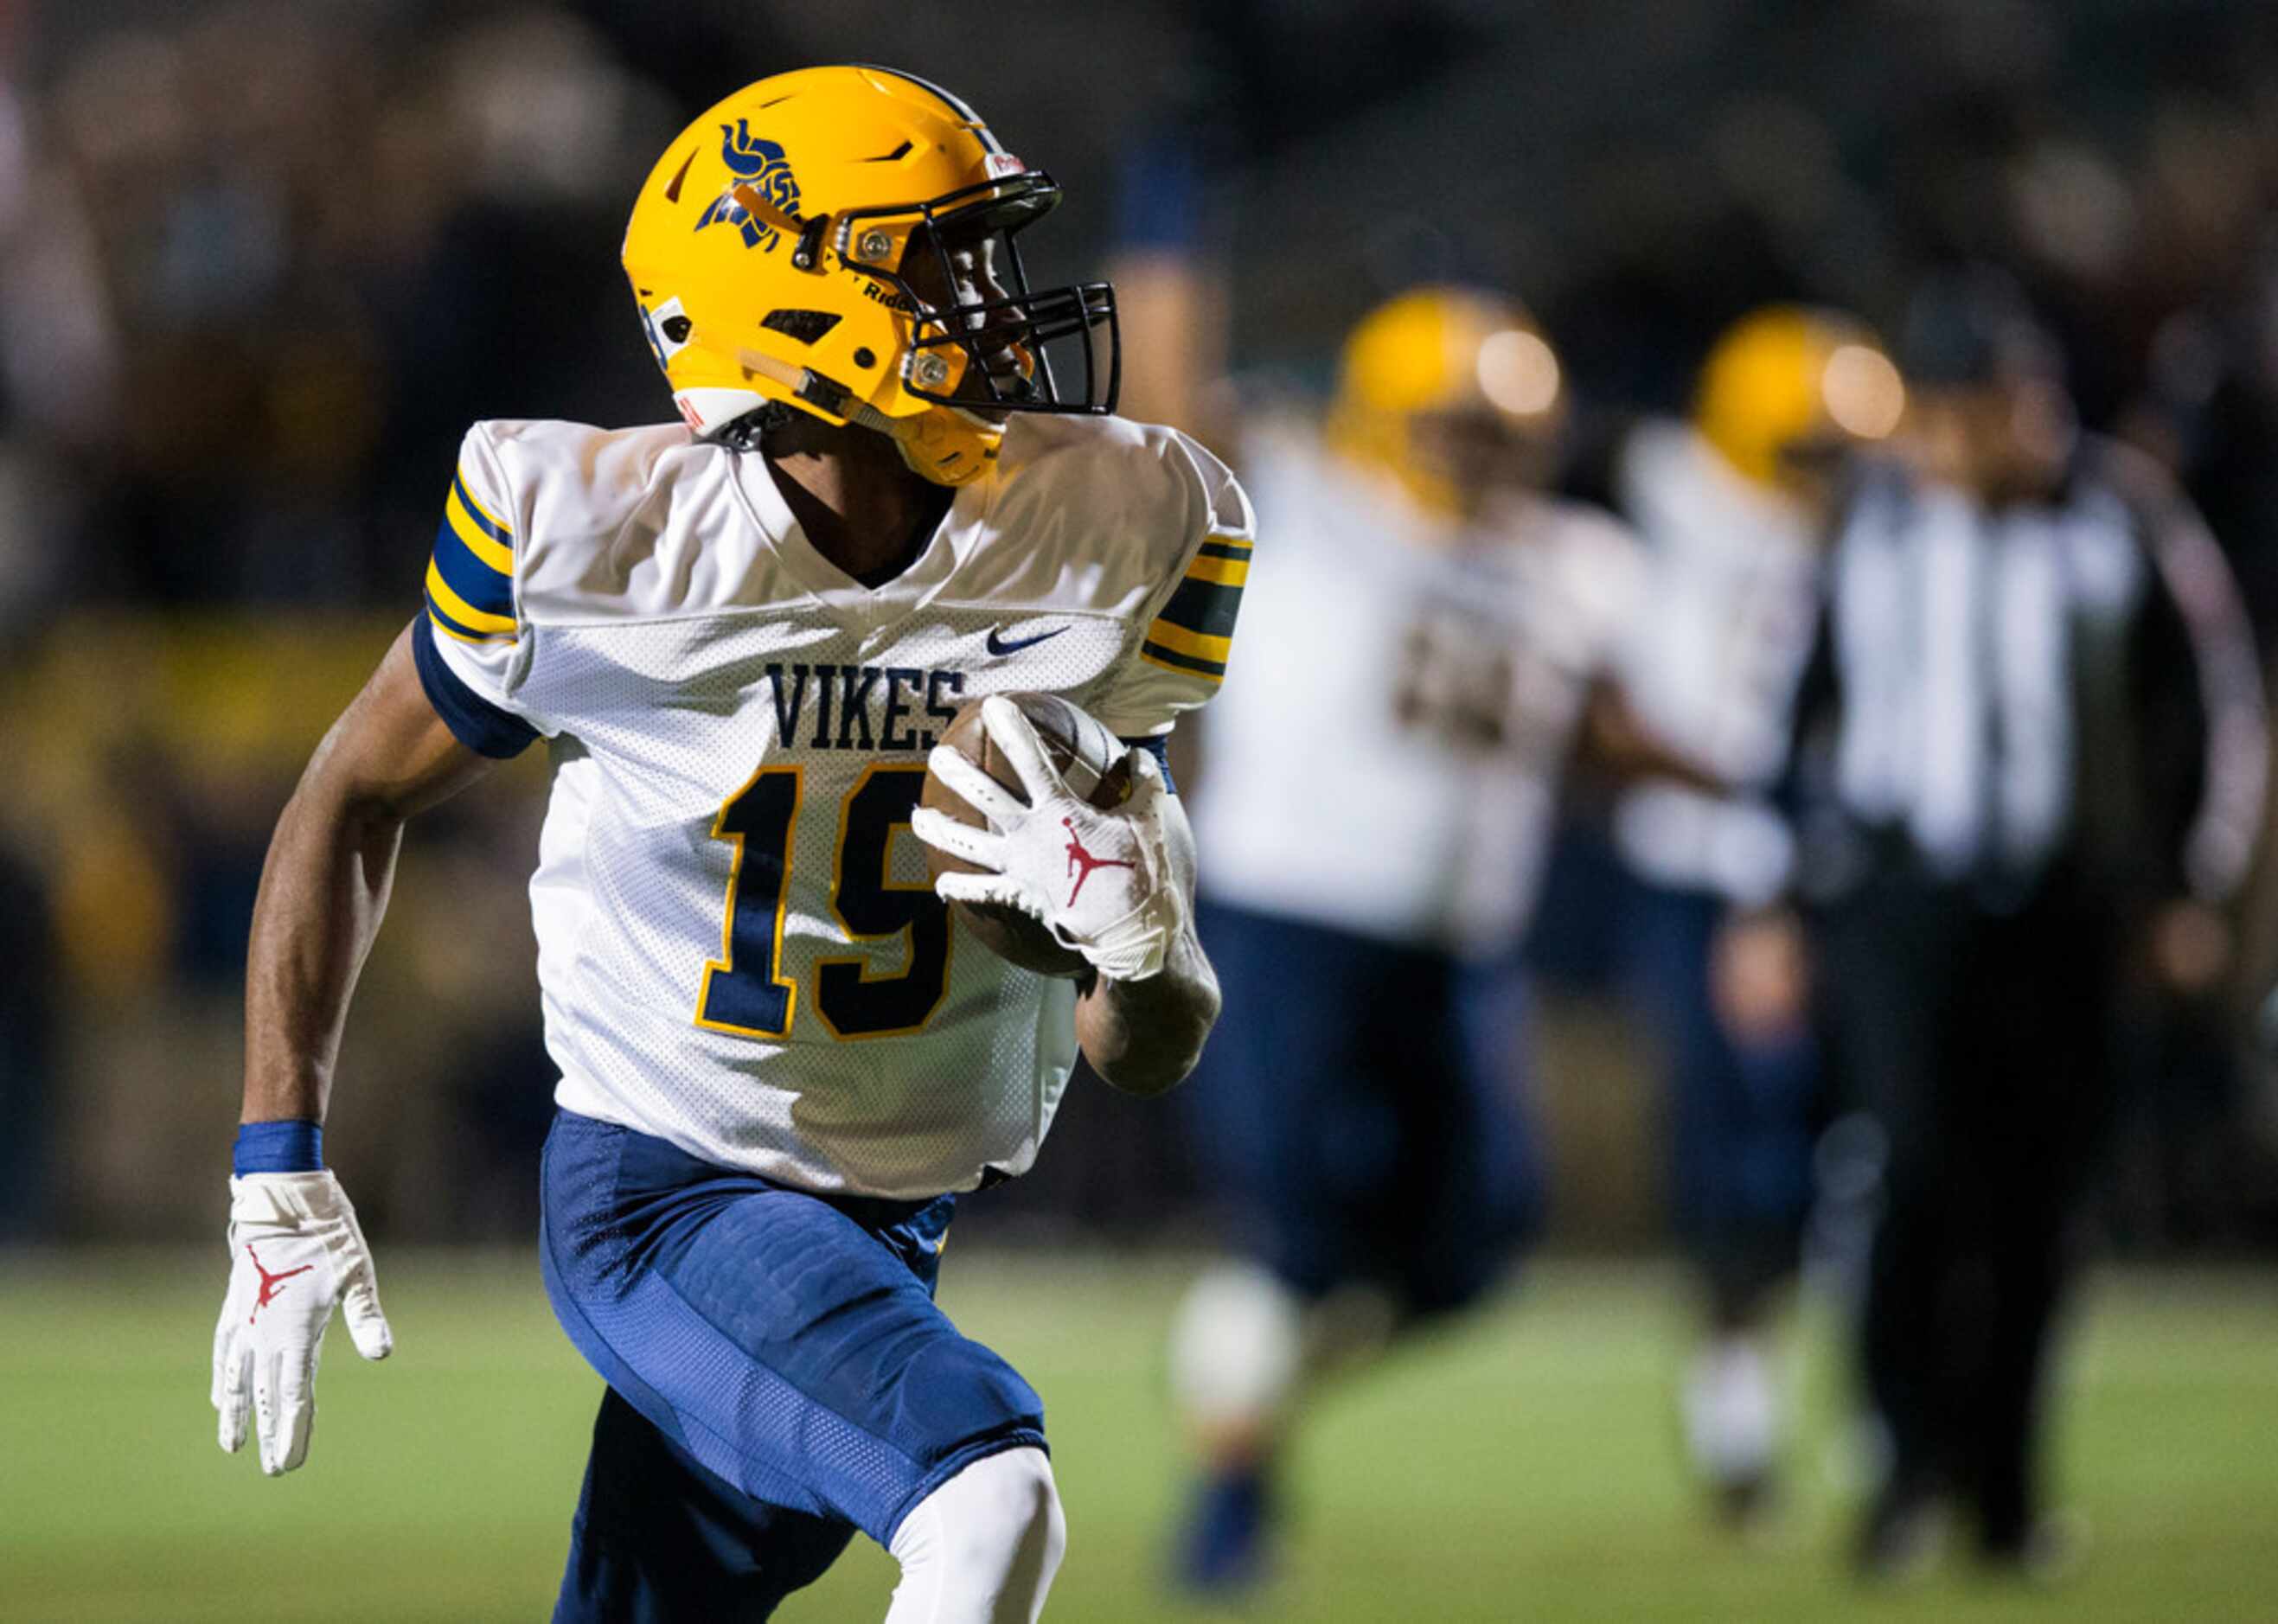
(737, 947)
(1389, 763)
(1713, 659)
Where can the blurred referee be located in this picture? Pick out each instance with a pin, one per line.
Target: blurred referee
(2032, 741)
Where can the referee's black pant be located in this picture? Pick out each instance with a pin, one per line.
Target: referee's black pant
(1975, 1038)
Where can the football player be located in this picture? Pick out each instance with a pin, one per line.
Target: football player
(896, 489)
(1734, 506)
(1449, 626)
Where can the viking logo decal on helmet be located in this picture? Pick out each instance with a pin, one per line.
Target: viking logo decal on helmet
(761, 163)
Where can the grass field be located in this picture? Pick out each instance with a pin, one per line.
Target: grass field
(1520, 1467)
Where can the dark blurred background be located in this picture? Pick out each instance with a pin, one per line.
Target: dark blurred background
(260, 265)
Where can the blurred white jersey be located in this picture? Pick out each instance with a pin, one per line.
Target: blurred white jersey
(1388, 762)
(737, 947)
(1713, 658)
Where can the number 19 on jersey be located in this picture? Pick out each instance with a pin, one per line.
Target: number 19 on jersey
(745, 991)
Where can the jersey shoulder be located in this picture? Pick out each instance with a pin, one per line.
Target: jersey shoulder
(553, 526)
(1124, 506)
(1132, 520)
(615, 523)
(573, 477)
(1589, 530)
(1597, 558)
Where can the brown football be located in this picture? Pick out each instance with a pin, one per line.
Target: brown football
(1090, 757)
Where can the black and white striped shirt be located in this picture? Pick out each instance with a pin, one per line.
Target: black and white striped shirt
(1988, 697)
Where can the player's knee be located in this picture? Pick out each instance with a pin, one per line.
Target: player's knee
(982, 1548)
(1017, 1527)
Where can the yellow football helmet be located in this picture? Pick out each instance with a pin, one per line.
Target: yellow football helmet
(1448, 390)
(795, 245)
(1787, 389)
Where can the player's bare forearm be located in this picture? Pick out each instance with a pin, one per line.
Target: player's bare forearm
(1617, 744)
(1145, 1036)
(324, 885)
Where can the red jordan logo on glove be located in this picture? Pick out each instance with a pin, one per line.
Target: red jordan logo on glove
(1080, 863)
(268, 1283)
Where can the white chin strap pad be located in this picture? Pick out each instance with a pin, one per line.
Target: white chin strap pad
(982, 1548)
(947, 445)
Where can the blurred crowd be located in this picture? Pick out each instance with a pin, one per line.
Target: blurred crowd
(260, 263)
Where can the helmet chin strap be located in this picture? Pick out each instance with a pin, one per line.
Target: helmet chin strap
(948, 446)
(945, 445)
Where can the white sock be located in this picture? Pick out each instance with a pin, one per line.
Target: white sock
(982, 1548)
(1731, 1410)
(1237, 1346)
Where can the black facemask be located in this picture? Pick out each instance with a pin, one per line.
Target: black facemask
(1024, 350)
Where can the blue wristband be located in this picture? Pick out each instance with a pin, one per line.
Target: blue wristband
(1158, 745)
(292, 1147)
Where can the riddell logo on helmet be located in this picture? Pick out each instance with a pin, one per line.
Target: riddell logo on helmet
(876, 294)
(760, 164)
(1004, 163)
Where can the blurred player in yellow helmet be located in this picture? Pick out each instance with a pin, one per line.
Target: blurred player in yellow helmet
(1731, 506)
(1454, 394)
(1433, 609)
(1789, 391)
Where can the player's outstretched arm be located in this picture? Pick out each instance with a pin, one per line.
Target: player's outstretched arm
(1117, 885)
(326, 882)
(296, 1248)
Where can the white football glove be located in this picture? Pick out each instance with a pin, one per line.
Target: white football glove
(294, 1250)
(1100, 881)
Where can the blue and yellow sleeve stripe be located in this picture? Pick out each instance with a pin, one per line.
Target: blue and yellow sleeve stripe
(1195, 632)
(470, 579)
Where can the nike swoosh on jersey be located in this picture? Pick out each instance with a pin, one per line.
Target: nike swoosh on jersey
(1001, 645)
